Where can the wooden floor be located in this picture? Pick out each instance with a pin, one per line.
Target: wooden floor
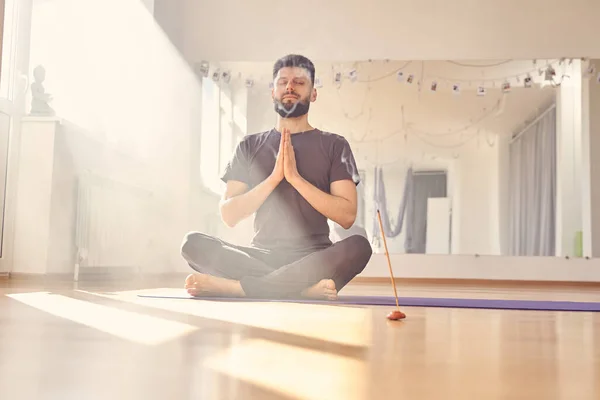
(102, 341)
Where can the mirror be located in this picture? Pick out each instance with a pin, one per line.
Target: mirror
(464, 158)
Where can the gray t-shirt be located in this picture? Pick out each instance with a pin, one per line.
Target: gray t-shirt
(286, 221)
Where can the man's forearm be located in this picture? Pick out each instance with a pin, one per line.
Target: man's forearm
(237, 208)
(335, 208)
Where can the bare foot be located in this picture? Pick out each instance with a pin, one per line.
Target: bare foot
(324, 289)
(208, 285)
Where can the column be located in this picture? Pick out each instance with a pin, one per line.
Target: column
(569, 172)
(591, 124)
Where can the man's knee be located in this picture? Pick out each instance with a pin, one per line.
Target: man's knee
(359, 251)
(193, 243)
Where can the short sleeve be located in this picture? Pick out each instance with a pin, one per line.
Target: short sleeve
(343, 165)
(238, 167)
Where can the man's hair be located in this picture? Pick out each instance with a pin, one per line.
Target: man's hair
(295, 60)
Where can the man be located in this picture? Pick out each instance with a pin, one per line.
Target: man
(293, 178)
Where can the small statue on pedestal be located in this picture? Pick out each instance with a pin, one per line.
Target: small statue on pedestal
(40, 99)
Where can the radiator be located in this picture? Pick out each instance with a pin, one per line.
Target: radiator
(112, 228)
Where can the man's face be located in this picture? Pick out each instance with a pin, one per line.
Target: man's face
(293, 91)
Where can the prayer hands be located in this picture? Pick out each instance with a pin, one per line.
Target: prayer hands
(290, 171)
(285, 164)
(277, 175)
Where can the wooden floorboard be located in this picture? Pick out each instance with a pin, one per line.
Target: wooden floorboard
(99, 340)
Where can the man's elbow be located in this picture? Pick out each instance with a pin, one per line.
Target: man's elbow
(347, 225)
(228, 222)
(226, 216)
(347, 222)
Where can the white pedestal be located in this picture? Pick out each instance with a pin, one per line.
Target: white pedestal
(34, 195)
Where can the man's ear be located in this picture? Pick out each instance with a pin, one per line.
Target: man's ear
(313, 96)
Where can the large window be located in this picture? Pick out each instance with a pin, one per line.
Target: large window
(223, 126)
(8, 47)
(210, 132)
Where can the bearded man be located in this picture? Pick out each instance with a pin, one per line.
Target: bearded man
(292, 178)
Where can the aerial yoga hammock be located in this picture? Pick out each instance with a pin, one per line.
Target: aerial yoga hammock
(379, 199)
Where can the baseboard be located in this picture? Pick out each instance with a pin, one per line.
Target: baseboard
(99, 275)
(24, 276)
(108, 273)
(474, 282)
(123, 275)
(500, 268)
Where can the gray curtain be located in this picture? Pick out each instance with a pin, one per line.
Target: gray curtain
(380, 201)
(532, 195)
(425, 185)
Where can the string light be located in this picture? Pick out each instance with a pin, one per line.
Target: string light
(353, 75)
(433, 82)
(480, 65)
(202, 69)
(396, 72)
(440, 146)
(501, 78)
(216, 75)
(226, 76)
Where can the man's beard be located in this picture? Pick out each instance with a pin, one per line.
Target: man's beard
(292, 110)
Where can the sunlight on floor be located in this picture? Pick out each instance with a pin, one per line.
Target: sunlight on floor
(127, 325)
(295, 372)
(335, 324)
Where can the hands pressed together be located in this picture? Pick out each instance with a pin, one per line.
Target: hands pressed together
(285, 165)
(338, 205)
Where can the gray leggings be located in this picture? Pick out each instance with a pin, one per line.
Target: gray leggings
(276, 274)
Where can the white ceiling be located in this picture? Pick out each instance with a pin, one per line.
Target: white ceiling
(263, 30)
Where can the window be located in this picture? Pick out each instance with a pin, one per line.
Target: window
(8, 46)
(223, 126)
(209, 136)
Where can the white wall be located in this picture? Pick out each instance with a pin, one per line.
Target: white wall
(261, 30)
(478, 206)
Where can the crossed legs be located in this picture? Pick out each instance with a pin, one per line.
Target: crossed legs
(226, 269)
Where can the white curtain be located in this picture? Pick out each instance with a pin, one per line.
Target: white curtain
(533, 189)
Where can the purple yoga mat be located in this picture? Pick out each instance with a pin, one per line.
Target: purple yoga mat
(420, 302)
